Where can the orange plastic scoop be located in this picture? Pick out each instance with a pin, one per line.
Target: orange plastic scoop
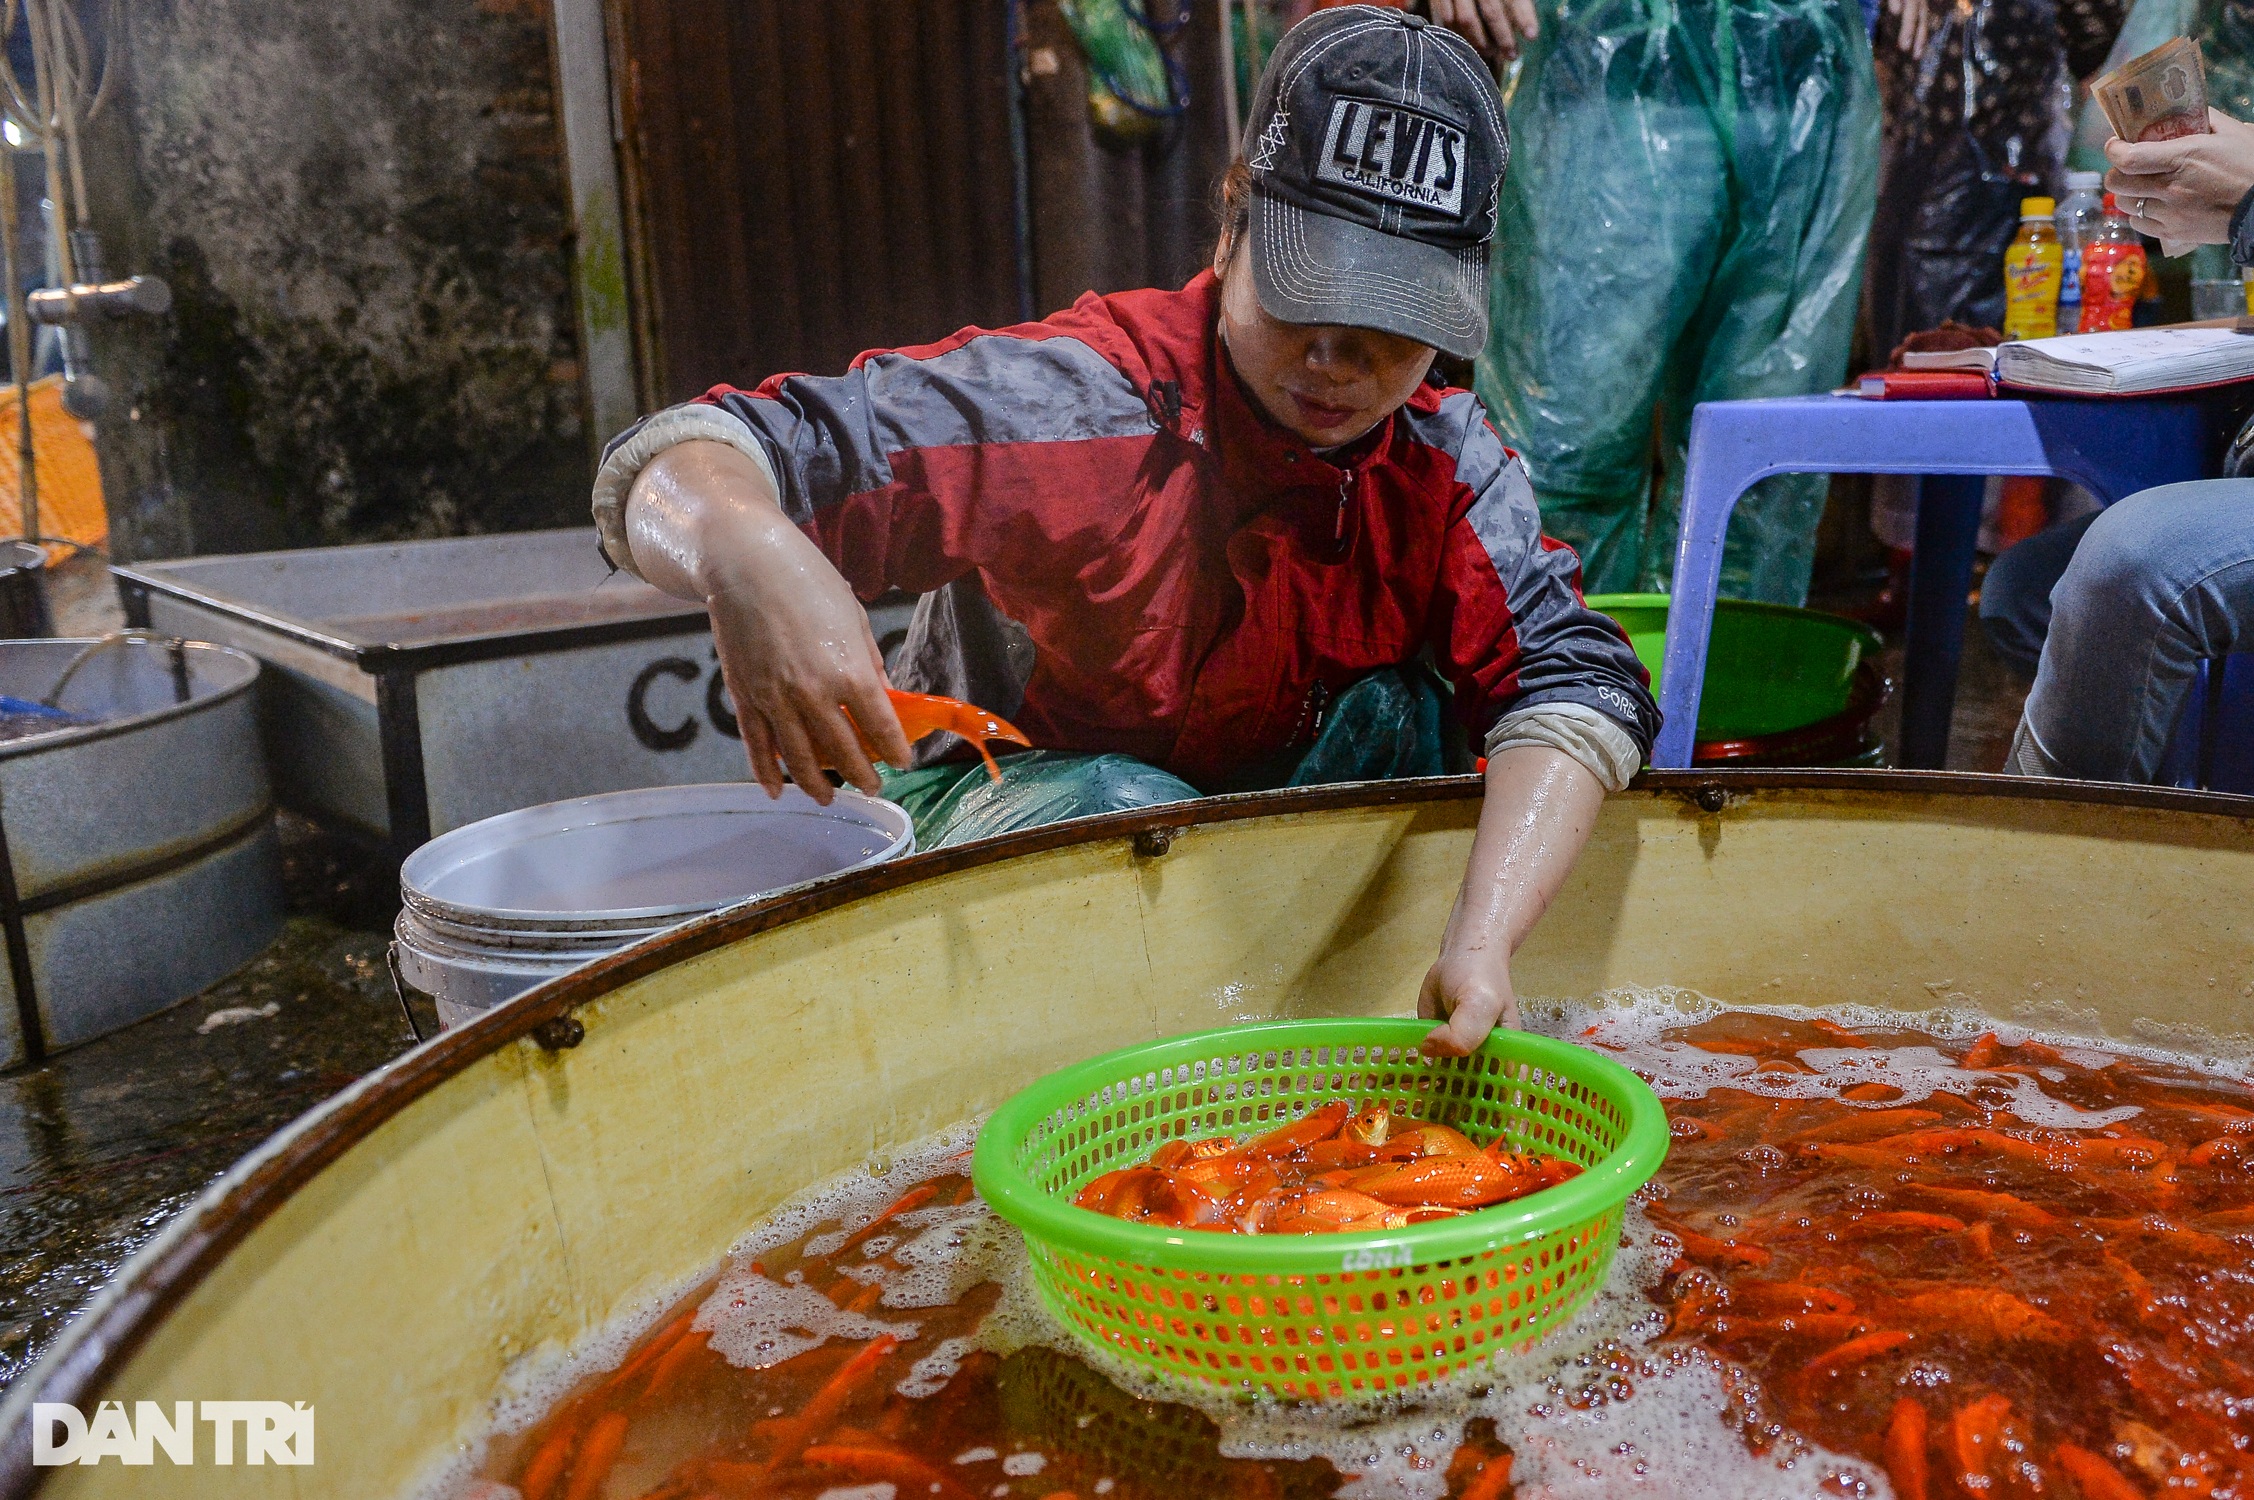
(922, 713)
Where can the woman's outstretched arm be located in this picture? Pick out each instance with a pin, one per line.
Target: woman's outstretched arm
(1540, 808)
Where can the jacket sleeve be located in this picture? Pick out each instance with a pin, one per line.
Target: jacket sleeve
(1509, 625)
(914, 465)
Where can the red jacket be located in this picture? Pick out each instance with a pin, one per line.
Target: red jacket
(1122, 554)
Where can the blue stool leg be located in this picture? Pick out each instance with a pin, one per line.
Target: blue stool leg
(2191, 747)
(2231, 740)
(1718, 472)
(2209, 687)
(1948, 529)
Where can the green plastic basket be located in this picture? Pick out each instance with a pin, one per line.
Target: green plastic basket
(1328, 1316)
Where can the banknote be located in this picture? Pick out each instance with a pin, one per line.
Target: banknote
(2158, 96)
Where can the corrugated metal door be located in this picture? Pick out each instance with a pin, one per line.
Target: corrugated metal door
(810, 178)
(1106, 218)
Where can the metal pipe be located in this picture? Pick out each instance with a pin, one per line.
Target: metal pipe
(60, 306)
(1021, 161)
(43, 84)
(19, 348)
(84, 396)
(1229, 75)
(65, 98)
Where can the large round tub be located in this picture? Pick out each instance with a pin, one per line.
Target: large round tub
(512, 1185)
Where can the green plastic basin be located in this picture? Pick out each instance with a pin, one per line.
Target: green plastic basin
(1784, 686)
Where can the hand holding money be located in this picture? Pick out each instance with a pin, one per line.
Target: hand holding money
(2160, 96)
(2156, 97)
(2185, 189)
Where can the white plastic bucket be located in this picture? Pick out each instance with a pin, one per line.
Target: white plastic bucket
(494, 908)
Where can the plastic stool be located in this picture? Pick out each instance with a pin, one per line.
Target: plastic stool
(2110, 448)
(2213, 747)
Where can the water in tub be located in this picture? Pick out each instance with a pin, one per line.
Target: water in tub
(1885, 1257)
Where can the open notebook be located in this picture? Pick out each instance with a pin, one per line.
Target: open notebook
(2133, 362)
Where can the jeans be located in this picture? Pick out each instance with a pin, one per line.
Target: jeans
(2015, 602)
(2148, 590)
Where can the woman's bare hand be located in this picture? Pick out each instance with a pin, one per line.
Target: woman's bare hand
(1473, 995)
(1496, 29)
(794, 643)
(2185, 189)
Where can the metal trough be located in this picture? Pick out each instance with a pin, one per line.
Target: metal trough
(416, 687)
(23, 591)
(137, 853)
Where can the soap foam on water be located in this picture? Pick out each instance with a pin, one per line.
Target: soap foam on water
(755, 1323)
(536, 1382)
(1594, 1410)
(1598, 1409)
(1662, 1432)
(1630, 1023)
(1683, 1070)
(1633, 1017)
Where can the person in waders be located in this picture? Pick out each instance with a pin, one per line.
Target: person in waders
(1231, 536)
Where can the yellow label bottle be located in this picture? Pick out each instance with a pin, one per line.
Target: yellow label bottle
(2033, 267)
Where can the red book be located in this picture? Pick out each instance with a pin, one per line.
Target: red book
(1926, 385)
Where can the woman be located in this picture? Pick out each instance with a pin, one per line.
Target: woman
(2118, 610)
(1189, 541)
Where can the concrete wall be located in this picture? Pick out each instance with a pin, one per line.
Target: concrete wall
(361, 210)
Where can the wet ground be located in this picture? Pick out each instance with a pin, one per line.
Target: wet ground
(1989, 695)
(104, 1143)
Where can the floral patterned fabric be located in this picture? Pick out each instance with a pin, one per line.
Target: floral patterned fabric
(1974, 123)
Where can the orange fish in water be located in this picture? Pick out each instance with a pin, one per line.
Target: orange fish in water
(1334, 1211)
(1371, 1125)
(1123, 1194)
(1321, 1173)
(1445, 1182)
(1421, 1142)
(2075, 1282)
(922, 714)
(1330, 1155)
(1310, 1129)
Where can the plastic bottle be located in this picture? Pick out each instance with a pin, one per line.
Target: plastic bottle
(2080, 214)
(2113, 273)
(2032, 268)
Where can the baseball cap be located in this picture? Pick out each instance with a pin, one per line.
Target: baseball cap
(1377, 145)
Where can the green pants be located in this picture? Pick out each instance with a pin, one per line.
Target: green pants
(1691, 184)
(1390, 724)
